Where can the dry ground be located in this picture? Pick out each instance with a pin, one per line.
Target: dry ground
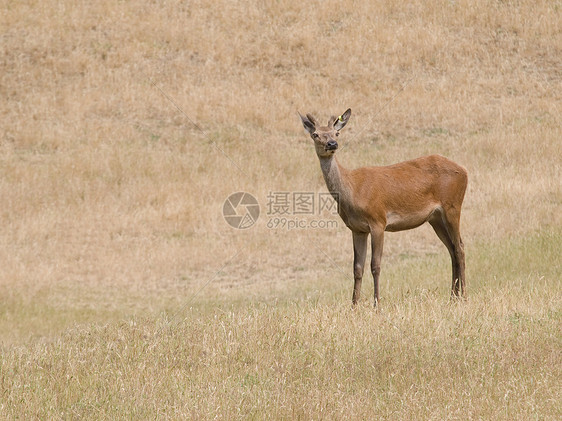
(125, 125)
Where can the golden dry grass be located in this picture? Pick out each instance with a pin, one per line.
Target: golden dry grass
(124, 293)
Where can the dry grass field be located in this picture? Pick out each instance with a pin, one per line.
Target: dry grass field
(124, 126)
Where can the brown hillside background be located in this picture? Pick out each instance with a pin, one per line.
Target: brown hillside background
(124, 126)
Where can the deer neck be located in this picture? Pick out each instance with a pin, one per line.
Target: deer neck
(336, 179)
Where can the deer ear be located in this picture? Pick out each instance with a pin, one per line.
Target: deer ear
(342, 120)
(309, 123)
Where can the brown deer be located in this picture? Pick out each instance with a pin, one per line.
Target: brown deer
(372, 200)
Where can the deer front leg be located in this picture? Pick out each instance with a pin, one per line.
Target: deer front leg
(377, 241)
(359, 255)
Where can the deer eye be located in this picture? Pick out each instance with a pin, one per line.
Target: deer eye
(337, 133)
(315, 135)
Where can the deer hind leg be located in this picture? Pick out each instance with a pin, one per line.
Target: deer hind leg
(447, 228)
(441, 230)
(359, 255)
(377, 242)
(452, 220)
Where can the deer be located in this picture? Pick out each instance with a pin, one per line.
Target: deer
(402, 196)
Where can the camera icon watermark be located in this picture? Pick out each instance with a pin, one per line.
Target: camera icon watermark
(241, 210)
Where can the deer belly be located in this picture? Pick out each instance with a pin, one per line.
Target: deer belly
(401, 222)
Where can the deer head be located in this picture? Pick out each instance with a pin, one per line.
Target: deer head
(325, 137)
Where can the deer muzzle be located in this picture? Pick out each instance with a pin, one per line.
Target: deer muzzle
(331, 145)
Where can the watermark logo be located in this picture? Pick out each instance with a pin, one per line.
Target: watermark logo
(241, 210)
(284, 210)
